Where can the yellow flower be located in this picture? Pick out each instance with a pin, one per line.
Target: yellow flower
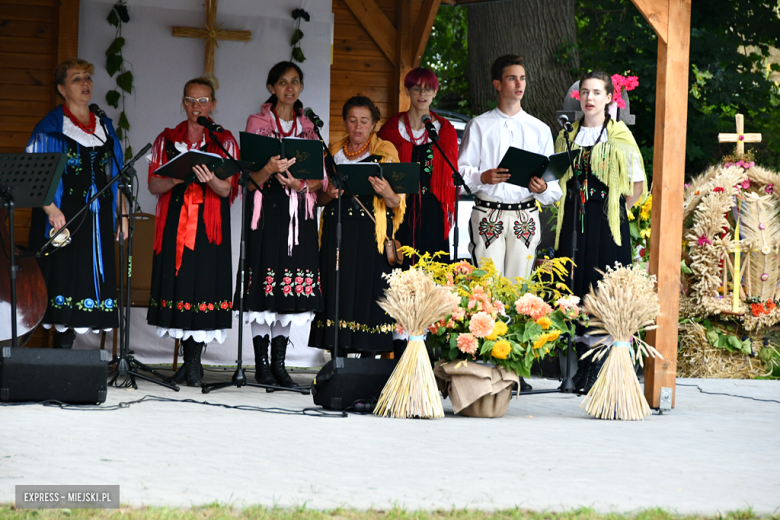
(545, 322)
(540, 342)
(630, 215)
(501, 349)
(553, 335)
(498, 330)
(644, 233)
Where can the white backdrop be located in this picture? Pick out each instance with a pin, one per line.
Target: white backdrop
(162, 64)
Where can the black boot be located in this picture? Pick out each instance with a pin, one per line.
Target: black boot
(399, 345)
(65, 339)
(181, 374)
(525, 387)
(262, 370)
(278, 351)
(593, 372)
(192, 352)
(580, 379)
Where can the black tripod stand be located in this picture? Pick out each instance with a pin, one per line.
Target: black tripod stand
(239, 378)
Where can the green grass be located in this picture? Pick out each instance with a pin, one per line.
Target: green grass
(217, 512)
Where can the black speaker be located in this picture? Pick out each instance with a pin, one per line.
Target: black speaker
(344, 381)
(42, 374)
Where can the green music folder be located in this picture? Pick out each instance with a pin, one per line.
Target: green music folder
(307, 153)
(357, 175)
(180, 167)
(523, 165)
(402, 177)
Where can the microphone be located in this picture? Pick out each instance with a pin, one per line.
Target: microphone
(432, 135)
(95, 109)
(210, 125)
(563, 120)
(314, 118)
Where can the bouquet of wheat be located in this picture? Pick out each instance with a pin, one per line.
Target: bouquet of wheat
(414, 301)
(624, 303)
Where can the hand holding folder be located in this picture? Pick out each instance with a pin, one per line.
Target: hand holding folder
(524, 165)
(180, 167)
(402, 177)
(259, 149)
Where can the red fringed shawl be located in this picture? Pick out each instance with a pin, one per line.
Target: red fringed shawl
(442, 186)
(194, 194)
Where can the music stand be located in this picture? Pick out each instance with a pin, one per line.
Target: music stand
(27, 180)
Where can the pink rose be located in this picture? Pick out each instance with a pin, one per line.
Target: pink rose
(287, 280)
(307, 290)
(298, 289)
(309, 281)
(268, 289)
(269, 279)
(298, 280)
(286, 289)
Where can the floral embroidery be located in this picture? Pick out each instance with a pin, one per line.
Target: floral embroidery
(489, 231)
(302, 284)
(86, 304)
(60, 302)
(74, 161)
(385, 328)
(525, 231)
(269, 282)
(181, 305)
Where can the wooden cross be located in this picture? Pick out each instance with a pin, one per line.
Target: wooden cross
(211, 33)
(740, 137)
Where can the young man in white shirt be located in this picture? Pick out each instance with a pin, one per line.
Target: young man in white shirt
(505, 225)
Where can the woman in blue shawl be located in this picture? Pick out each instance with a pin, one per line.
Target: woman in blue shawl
(80, 278)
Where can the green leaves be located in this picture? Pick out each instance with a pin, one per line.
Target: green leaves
(116, 46)
(113, 18)
(296, 37)
(297, 55)
(125, 81)
(124, 124)
(114, 64)
(112, 98)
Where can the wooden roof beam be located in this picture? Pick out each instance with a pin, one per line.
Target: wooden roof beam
(656, 12)
(377, 25)
(422, 29)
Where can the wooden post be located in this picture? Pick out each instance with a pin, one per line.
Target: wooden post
(404, 27)
(668, 179)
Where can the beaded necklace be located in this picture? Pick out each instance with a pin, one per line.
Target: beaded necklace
(89, 129)
(279, 124)
(412, 138)
(359, 152)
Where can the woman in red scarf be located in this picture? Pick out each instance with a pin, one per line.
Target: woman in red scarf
(430, 213)
(191, 296)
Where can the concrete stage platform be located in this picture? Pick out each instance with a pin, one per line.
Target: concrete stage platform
(711, 454)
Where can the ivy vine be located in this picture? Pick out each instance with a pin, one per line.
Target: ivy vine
(295, 42)
(115, 63)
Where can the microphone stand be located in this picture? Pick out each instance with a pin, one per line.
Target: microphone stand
(239, 378)
(458, 181)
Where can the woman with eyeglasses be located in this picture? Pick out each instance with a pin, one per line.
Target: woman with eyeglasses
(283, 277)
(429, 213)
(81, 277)
(191, 275)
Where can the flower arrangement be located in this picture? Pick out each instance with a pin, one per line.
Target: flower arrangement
(497, 320)
(639, 227)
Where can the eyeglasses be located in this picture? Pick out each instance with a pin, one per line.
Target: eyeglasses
(191, 100)
(427, 90)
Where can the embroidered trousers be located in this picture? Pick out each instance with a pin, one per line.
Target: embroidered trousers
(509, 238)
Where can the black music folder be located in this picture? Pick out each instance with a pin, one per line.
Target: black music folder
(308, 153)
(523, 165)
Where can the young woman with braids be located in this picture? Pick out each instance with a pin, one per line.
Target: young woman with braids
(612, 179)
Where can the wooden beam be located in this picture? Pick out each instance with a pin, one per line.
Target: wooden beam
(377, 25)
(67, 36)
(422, 29)
(668, 178)
(656, 12)
(404, 17)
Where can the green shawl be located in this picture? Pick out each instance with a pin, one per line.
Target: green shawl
(610, 162)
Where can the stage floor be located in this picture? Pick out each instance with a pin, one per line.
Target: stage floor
(712, 453)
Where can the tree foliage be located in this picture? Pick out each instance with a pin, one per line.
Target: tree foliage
(447, 55)
(729, 70)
